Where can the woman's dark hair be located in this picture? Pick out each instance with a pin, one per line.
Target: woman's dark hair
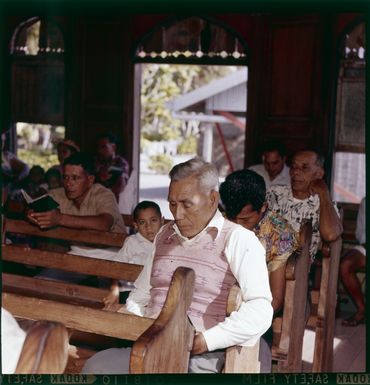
(242, 188)
(146, 205)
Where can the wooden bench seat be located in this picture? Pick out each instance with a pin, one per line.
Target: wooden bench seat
(153, 351)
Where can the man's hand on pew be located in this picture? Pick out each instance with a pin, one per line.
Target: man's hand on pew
(199, 345)
(45, 219)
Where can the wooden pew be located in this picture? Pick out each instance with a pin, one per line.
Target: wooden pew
(288, 330)
(62, 291)
(240, 359)
(45, 349)
(324, 319)
(69, 293)
(88, 237)
(324, 303)
(162, 345)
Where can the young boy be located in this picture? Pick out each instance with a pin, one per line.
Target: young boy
(136, 248)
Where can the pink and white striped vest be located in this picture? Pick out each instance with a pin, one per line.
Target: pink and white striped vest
(213, 277)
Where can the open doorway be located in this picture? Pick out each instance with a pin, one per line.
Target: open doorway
(190, 98)
(186, 111)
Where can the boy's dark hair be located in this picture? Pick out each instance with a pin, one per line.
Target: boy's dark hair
(81, 159)
(52, 172)
(241, 188)
(37, 168)
(274, 145)
(145, 205)
(109, 135)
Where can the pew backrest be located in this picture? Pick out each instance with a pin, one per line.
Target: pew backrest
(163, 345)
(288, 330)
(73, 236)
(240, 359)
(45, 349)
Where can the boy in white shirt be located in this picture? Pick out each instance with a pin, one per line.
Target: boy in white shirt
(137, 248)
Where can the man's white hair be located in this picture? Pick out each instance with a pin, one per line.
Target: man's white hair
(205, 172)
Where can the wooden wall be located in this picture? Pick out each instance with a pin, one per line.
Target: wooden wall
(291, 74)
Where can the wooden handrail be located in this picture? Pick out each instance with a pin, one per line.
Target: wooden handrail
(106, 323)
(71, 262)
(91, 237)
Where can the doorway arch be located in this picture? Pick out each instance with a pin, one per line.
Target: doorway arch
(194, 41)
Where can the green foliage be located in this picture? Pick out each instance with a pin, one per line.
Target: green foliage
(160, 163)
(162, 83)
(188, 146)
(43, 158)
(37, 143)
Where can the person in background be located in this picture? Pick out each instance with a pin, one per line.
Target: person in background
(65, 148)
(13, 170)
(34, 184)
(137, 248)
(111, 169)
(273, 168)
(53, 178)
(221, 253)
(353, 261)
(243, 195)
(13, 173)
(307, 197)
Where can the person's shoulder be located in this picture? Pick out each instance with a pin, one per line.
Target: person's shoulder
(257, 167)
(99, 189)
(58, 192)
(278, 221)
(132, 239)
(120, 160)
(280, 189)
(238, 230)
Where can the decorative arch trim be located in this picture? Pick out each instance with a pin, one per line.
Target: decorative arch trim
(192, 39)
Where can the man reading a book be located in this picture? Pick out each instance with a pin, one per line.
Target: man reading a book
(82, 203)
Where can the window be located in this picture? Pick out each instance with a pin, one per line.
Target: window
(37, 90)
(349, 157)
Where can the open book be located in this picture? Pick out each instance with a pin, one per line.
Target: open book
(43, 203)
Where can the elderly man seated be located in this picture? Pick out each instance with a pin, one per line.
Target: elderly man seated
(307, 197)
(221, 253)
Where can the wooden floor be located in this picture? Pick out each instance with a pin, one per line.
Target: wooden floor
(349, 348)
